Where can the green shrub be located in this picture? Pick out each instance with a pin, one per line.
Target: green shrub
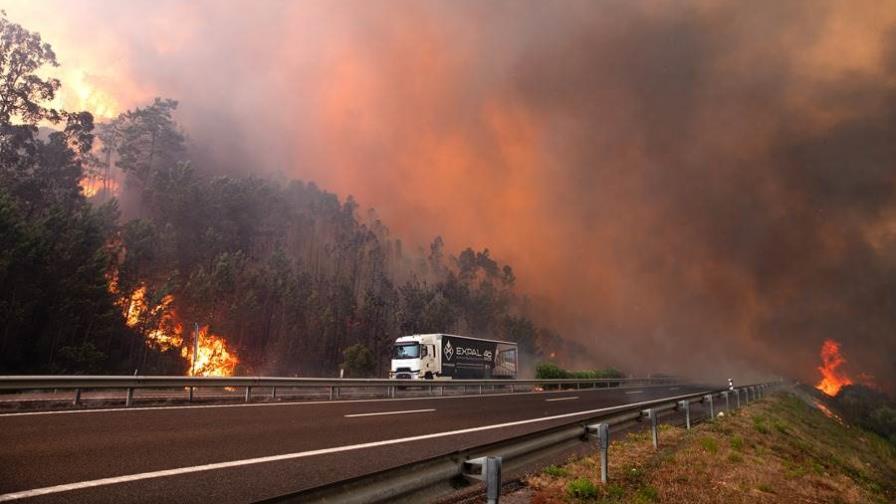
(615, 492)
(709, 444)
(737, 443)
(780, 427)
(581, 488)
(759, 423)
(647, 494)
(550, 371)
(555, 471)
(358, 361)
(609, 373)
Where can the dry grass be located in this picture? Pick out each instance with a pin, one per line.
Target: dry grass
(775, 450)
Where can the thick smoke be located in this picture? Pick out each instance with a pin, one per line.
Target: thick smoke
(692, 187)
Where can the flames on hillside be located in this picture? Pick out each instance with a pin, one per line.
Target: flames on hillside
(832, 377)
(159, 322)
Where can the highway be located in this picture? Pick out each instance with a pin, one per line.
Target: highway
(249, 452)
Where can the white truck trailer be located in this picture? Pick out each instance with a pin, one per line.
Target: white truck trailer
(447, 356)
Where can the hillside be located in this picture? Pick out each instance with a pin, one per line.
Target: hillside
(779, 449)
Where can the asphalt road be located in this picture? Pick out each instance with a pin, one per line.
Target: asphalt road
(262, 450)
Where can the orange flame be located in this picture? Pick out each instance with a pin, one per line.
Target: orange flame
(164, 330)
(832, 379)
(213, 358)
(92, 186)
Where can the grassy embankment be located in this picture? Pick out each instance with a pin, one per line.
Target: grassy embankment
(778, 449)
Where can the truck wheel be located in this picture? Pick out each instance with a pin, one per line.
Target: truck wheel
(427, 376)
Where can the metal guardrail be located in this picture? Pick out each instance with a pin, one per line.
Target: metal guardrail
(334, 385)
(409, 481)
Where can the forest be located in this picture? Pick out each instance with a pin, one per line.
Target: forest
(120, 254)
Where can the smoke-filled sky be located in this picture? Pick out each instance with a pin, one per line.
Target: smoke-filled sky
(680, 185)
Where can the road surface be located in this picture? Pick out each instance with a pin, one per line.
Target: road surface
(248, 452)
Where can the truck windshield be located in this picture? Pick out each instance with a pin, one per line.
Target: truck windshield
(406, 351)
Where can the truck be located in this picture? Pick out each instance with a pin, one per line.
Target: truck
(448, 356)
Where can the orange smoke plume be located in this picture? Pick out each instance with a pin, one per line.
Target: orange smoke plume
(832, 379)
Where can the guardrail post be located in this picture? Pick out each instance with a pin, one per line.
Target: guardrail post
(480, 389)
(273, 393)
(708, 398)
(487, 469)
(441, 390)
(493, 479)
(686, 406)
(737, 393)
(650, 413)
(248, 394)
(189, 394)
(601, 431)
(332, 392)
(392, 391)
(727, 402)
(129, 399)
(77, 399)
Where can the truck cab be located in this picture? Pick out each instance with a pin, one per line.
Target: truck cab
(415, 357)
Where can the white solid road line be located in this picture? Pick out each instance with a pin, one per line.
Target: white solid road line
(635, 392)
(356, 415)
(562, 399)
(290, 456)
(305, 403)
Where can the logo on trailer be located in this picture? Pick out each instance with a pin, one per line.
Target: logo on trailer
(487, 355)
(449, 351)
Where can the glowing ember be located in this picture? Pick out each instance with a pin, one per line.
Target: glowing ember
(832, 379)
(827, 412)
(164, 330)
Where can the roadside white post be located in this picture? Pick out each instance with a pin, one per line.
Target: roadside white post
(686, 406)
(602, 432)
(487, 469)
(493, 479)
(650, 413)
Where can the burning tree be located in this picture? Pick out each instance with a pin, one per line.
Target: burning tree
(832, 377)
